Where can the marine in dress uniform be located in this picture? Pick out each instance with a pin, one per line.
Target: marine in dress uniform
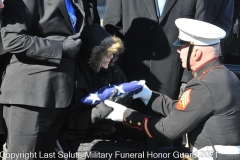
(208, 110)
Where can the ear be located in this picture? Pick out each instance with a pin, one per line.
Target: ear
(197, 54)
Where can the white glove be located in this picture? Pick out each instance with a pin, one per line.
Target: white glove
(117, 113)
(145, 94)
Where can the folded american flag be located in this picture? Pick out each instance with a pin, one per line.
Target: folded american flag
(104, 93)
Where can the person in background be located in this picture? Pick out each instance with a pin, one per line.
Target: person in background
(219, 13)
(208, 110)
(233, 48)
(147, 29)
(42, 39)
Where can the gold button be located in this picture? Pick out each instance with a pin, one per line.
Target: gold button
(124, 120)
(130, 122)
(195, 74)
(139, 123)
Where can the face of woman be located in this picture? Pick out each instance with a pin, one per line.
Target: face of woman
(106, 61)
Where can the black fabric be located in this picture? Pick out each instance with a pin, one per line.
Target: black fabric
(2, 51)
(2, 141)
(92, 36)
(89, 119)
(234, 68)
(2, 121)
(4, 61)
(85, 122)
(85, 145)
(233, 47)
(32, 129)
(40, 76)
(187, 76)
(124, 99)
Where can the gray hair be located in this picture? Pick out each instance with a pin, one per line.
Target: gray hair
(213, 49)
(217, 49)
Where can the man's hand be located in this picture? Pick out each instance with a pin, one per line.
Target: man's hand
(117, 113)
(123, 99)
(71, 45)
(145, 94)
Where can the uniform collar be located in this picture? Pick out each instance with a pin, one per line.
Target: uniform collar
(203, 68)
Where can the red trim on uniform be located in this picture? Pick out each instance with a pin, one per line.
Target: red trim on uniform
(207, 70)
(146, 127)
(206, 63)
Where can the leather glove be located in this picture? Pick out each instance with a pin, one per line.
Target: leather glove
(124, 98)
(71, 45)
(117, 113)
(145, 94)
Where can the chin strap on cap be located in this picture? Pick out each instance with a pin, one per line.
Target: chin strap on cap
(189, 55)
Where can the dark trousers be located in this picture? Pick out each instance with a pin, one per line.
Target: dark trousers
(32, 131)
(2, 130)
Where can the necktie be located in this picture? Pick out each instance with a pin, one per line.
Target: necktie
(71, 13)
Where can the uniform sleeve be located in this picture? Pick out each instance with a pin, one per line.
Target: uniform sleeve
(193, 108)
(112, 20)
(160, 103)
(18, 16)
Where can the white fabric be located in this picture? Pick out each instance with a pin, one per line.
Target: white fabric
(145, 94)
(199, 32)
(117, 113)
(206, 153)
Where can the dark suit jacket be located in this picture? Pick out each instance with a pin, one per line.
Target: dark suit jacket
(32, 33)
(149, 53)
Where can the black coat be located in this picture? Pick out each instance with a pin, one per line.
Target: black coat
(81, 116)
(38, 74)
(81, 119)
(149, 52)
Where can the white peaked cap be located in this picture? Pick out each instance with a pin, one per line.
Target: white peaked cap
(199, 32)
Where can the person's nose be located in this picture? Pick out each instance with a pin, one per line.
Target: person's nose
(110, 56)
(179, 50)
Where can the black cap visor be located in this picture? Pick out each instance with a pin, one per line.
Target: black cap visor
(181, 43)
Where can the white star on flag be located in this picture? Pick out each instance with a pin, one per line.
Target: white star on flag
(105, 92)
(120, 89)
(93, 97)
